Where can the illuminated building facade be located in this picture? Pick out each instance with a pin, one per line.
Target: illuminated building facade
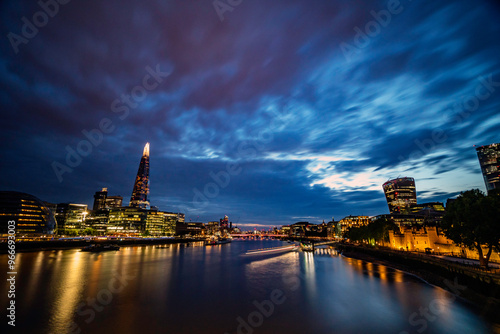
(70, 218)
(224, 222)
(129, 221)
(98, 221)
(100, 199)
(400, 194)
(490, 165)
(213, 227)
(31, 215)
(140, 193)
(114, 202)
(404, 220)
(159, 223)
(353, 221)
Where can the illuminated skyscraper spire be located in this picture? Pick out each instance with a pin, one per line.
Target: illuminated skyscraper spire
(141, 187)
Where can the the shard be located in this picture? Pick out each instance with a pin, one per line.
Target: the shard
(140, 193)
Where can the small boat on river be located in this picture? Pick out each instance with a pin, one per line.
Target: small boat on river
(96, 248)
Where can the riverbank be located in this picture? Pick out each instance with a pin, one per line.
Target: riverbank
(36, 246)
(473, 285)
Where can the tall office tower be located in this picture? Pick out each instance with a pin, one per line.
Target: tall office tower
(140, 193)
(100, 199)
(490, 165)
(400, 194)
(224, 223)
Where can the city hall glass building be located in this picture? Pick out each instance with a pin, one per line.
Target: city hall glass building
(31, 215)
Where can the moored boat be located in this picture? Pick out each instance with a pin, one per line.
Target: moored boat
(95, 248)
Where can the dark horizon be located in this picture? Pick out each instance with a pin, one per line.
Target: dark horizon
(308, 108)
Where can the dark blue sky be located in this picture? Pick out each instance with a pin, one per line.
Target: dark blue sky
(311, 105)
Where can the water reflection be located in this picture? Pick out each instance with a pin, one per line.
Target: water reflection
(67, 296)
(199, 289)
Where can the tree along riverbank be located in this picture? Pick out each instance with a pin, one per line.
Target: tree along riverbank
(473, 284)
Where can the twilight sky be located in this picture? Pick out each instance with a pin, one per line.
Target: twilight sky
(310, 105)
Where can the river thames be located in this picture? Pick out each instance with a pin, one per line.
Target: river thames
(200, 289)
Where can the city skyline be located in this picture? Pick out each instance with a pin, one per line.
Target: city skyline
(277, 129)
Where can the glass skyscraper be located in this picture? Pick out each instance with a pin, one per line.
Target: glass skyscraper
(488, 156)
(140, 193)
(400, 194)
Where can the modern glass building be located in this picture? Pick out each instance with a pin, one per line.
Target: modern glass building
(114, 202)
(100, 199)
(400, 194)
(130, 221)
(490, 165)
(140, 193)
(70, 218)
(31, 215)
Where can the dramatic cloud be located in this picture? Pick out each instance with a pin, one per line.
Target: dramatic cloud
(307, 106)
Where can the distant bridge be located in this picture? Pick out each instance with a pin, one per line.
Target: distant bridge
(258, 236)
(311, 246)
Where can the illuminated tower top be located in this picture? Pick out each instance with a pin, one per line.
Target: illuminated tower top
(140, 193)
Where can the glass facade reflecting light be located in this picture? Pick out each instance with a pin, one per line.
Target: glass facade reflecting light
(31, 215)
(490, 165)
(400, 194)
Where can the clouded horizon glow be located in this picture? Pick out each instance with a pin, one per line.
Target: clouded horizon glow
(309, 130)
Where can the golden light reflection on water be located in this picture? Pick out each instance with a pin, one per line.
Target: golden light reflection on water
(95, 264)
(68, 292)
(383, 274)
(310, 273)
(34, 278)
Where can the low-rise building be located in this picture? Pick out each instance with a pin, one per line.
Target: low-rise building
(192, 229)
(353, 221)
(420, 238)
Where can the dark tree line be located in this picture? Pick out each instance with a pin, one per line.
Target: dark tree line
(373, 232)
(473, 221)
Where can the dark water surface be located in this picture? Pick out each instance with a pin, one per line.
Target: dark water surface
(201, 289)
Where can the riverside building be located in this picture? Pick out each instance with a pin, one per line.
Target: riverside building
(31, 215)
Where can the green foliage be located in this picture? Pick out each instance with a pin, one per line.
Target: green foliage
(89, 231)
(473, 220)
(70, 232)
(373, 232)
